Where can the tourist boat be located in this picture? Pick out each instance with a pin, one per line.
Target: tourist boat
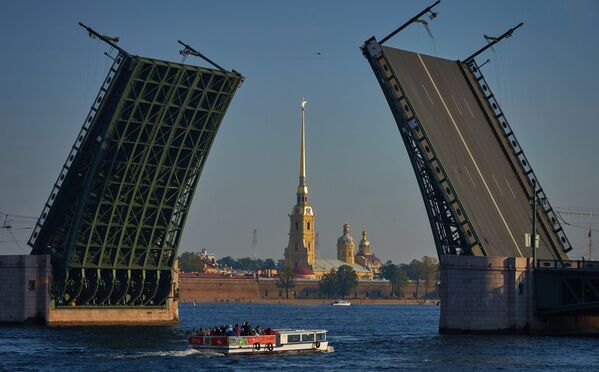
(284, 340)
(341, 303)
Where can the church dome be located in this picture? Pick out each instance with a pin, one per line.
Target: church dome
(303, 272)
(364, 247)
(346, 238)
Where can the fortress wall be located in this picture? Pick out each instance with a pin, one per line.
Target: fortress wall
(202, 289)
(244, 290)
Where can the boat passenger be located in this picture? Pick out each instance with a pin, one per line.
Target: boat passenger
(245, 329)
(237, 330)
(258, 330)
(229, 331)
(268, 331)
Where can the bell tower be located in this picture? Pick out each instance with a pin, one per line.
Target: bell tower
(346, 246)
(300, 250)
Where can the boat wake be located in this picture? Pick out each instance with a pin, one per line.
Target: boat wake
(163, 354)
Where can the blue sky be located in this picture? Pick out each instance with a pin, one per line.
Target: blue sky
(544, 76)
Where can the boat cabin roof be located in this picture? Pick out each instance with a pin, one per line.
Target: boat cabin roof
(294, 331)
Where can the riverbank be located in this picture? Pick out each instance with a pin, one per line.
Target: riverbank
(313, 301)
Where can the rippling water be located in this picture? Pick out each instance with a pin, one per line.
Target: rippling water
(365, 337)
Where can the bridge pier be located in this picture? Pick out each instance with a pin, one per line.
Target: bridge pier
(25, 294)
(498, 295)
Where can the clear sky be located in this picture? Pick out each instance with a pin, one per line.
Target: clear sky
(545, 77)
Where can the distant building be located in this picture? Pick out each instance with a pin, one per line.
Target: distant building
(208, 257)
(208, 262)
(365, 257)
(300, 250)
(345, 246)
(300, 254)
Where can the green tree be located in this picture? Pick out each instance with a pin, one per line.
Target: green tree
(269, 263)
(418, 268)
(286, 280)
(190, 262)
(327, 284)
(346, 280)
(429, 271)
(229, 262)
(396, 276)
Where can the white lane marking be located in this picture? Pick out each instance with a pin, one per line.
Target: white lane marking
(467, 105)
(510, 187)
(428, 95)
(470, 154)
(471, 179)
(456, 105)
(498, 188)
(416, 93)
(458, 176)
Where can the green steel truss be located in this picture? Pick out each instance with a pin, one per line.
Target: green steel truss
(114, 218)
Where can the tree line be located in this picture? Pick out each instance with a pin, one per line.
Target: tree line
(334, 284)
(337, 283)
(192, 262)
(425, 270)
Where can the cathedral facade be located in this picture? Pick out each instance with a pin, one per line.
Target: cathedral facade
(300, 254)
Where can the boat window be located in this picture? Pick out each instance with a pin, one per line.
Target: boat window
(321, 336)
(293, 338)
(308, 337)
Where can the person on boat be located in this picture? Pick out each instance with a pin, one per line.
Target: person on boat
(237, 330)
(258, 330)
(268, 331)
(245, 328)
(229, 331)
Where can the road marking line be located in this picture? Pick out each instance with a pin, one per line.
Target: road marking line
(471, 179)
(456, 105)
(428, 95)
(458, 175)
(510, 187)
(416, 93)
(470, 153)
(467, 105)
(497, 183)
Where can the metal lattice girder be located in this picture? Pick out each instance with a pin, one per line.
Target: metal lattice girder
(115, 216)
(566, 287)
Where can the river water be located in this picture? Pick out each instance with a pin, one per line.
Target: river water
(365, 337)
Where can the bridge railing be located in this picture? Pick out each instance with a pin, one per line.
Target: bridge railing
(519, 154)
(81, 136)
(543, 264)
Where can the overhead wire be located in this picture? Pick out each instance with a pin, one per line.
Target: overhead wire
(575, 225)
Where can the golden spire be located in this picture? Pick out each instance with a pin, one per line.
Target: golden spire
(303, 188)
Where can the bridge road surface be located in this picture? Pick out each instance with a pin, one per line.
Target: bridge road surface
(465, 144)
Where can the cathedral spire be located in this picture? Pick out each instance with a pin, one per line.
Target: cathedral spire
(302, 190)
